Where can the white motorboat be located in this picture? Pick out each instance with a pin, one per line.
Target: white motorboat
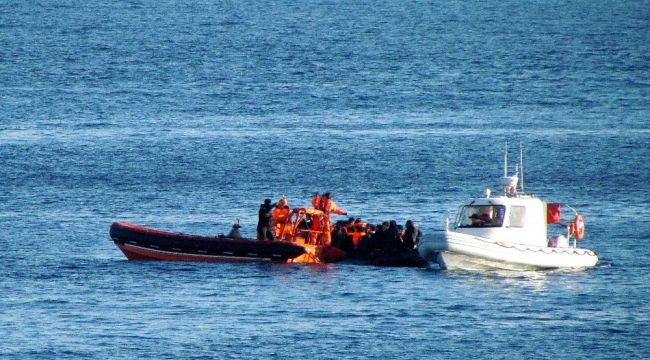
(511, 231)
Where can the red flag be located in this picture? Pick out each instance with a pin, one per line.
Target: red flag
(553, 213)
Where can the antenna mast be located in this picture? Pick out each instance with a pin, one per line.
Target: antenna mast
(505, 161)
(521, 162)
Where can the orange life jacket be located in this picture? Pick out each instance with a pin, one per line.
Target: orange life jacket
(329, 206)
(282, 222)
(281, 214)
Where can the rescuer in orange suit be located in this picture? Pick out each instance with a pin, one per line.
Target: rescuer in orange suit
(282, 220)
(316, 228)
(326, 205)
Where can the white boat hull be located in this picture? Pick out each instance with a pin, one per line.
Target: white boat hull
(461, 251)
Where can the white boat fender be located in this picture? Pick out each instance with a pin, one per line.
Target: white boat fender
(504, 244)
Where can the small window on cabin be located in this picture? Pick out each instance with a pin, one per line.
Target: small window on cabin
(481, 216)
(517, 216)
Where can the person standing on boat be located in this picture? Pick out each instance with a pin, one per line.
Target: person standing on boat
(264, 221)
(411, 236)
(326, 205)
(282, 220)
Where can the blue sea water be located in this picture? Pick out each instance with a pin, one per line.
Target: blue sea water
(185, 115)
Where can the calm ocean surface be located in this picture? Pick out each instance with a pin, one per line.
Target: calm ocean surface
(185, 115)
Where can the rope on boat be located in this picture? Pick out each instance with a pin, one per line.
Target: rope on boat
(570, 251)
(556, 250)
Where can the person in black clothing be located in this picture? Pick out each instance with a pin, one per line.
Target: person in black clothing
(394, 240)
(341, 240)
(411, 235)
(338, 234)
(264, 231)
(378, 240)
(365, 242)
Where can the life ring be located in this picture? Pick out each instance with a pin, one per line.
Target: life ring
(578, 227)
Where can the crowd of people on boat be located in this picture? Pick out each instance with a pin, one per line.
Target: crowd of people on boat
(360, 239)
(279, 222)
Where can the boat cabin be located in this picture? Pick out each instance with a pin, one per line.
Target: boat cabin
(519, 219)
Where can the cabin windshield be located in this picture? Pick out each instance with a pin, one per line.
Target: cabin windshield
(481, 216)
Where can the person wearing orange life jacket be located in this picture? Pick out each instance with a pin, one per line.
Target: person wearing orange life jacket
(355, 229)
(326, 205)
(359, 231)
(282, 220)
(348, 228)
(316, 228)
(314, 221)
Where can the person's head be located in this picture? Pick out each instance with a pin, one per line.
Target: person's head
(267, 201)
(326, 195)
(283, 202)
(409, 223)
(385, 225)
